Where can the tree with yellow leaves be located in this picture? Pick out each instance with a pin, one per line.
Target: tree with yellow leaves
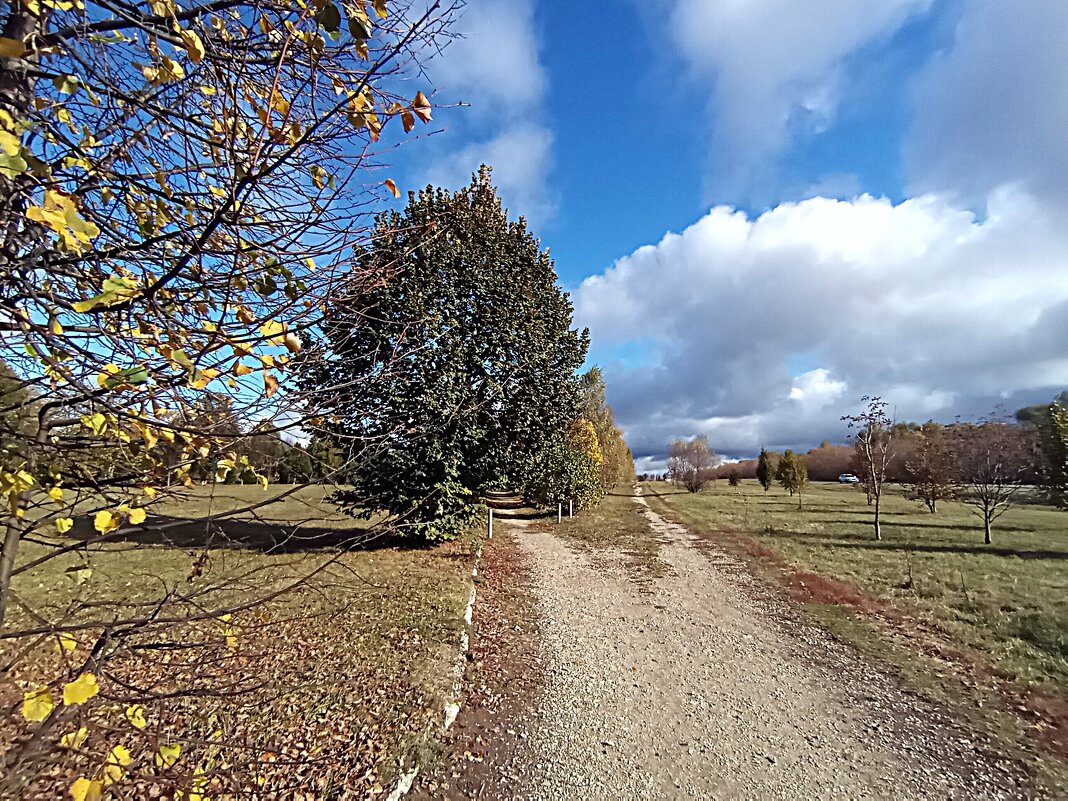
(183, 184)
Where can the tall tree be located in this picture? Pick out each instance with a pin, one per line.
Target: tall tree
(692, 462)
(873, 440)
(995, 460)
(485, 335)
(792, 474)
(1050, 423)
(932, 470)
(1055, 453)
(181, 183)
(617, 466)
(765, 470)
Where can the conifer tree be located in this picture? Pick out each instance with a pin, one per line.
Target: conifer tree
(765, 473)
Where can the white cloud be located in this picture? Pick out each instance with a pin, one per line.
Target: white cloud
(494, 66)
(775, 66)
(993, 109)
(496, 69)
(768, 329)
(520, 157)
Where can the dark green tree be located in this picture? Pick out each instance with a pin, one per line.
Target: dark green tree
(765, 470)
(456, 373)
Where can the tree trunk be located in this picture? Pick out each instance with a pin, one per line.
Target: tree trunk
(878, 527)
(12, 537)
(986, 529)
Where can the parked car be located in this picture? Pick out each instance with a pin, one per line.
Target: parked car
(848, 478)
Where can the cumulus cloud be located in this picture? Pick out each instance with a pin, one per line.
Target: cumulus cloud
(495, 69)
(993, 108)
(767, 330)
(776, 68)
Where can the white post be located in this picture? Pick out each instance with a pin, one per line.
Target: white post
(570, 507)
(491, 523)
(559, 512)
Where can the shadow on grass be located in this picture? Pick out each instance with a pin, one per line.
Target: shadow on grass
(896, 524)
(266, 536)
(985, 550)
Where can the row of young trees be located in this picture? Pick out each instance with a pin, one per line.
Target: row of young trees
(986, 464)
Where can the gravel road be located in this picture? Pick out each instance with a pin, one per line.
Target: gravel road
(704, 685)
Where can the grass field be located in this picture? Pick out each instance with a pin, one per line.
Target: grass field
(324, 689)
(981, 629)
(1008, 600)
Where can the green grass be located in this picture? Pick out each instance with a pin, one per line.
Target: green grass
(1008, 600)
(345, 672)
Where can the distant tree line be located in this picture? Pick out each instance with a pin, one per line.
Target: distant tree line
(987, 464)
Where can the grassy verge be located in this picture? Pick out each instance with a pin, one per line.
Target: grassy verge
(980, 628)
(618, 524)
(323, 690)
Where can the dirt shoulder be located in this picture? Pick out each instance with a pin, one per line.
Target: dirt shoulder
(502, 681)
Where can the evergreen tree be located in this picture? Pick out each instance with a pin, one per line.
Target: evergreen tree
(484, 334)
(765, 472)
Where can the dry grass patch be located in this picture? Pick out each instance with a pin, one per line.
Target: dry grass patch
(323, 691)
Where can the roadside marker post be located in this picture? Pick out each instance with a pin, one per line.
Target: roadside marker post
(559, 512)
(490, 526)
(570, 507)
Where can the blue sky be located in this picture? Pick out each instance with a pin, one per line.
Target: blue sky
(768, 209)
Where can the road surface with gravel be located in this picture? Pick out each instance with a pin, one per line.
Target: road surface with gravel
(705, 685)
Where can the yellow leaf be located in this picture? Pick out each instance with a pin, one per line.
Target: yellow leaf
(85, 790)
(137, 516)
(167, 71)
(96, 423)
(115, 766)
(242, 369)
(136, 715)
(262, 479)
(168, 754)
(231, 639)
(150, 492)
(56, 494)
(274, 331)
(11, 48)
(37, 704)
(64, 524)
(270, 384)
(380, 8)
(292, 343)
(10, 144)
(75, 738)
(65, 642)
(421, 107)
(80, 690)
(105, 521)
(392, 187)
(193, 45)
(60, 213)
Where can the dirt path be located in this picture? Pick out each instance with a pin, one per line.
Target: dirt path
(702, 685)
